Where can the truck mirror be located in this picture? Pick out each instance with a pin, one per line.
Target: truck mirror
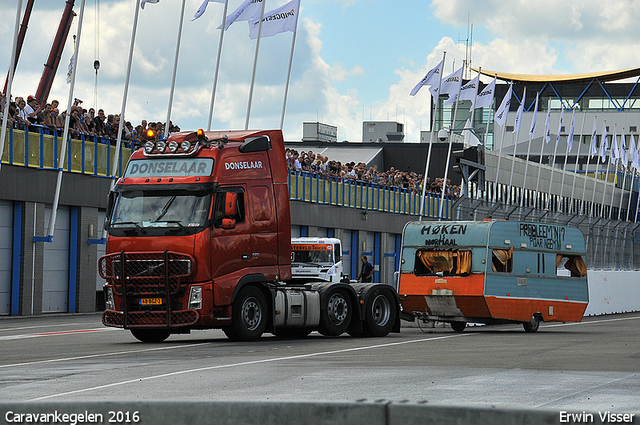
(228, 223)
(230, 204)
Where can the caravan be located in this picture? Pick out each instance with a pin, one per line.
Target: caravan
(493, 272)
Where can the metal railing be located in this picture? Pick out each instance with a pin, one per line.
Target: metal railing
(329, 190)
(39, 147)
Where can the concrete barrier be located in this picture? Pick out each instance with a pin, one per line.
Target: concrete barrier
(613, 291)
(380, 412)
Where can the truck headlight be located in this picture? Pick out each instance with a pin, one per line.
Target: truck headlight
(195, 297)
(109, 303)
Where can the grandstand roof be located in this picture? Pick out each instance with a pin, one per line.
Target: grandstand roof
(564, 78)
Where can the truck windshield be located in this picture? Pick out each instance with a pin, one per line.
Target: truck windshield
(161, 209)
(312, 257)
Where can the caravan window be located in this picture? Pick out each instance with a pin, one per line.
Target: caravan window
(502, 260)
(445, 263)
(573, 266)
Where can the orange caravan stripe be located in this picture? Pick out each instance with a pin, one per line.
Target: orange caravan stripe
(523, 309)
(411, 284)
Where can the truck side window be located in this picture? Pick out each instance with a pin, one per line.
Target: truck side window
(447, 262)
(502, 260)
(337, 252)
(219, 208)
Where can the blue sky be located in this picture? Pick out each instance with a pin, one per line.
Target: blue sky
(354, 59)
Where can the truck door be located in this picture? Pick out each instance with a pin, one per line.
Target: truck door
(264, 234)
(230, 243)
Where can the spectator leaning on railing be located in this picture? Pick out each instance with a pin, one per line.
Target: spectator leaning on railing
(323, 166)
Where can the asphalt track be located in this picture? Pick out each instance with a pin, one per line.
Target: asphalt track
(593, 365)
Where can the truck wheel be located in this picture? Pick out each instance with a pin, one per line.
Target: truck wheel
(380, 314)
(249, 317)
(336, 316)
(458, 326)
(532, 325)
(150, 335)
(291, 333)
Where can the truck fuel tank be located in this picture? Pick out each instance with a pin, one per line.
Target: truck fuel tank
(296, 308)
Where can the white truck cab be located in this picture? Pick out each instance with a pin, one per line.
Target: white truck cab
(317, 258)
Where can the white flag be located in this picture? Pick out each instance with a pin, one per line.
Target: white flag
(468, 91)
(70, 71)
(635, 156)
(604, 146)
(615, 152)
(430, 79)
(485, 97)
(282, 19)
(449, 85)
(203, 8)
(594, 149)
(532, 130)
(147, 1)
(623, 150)
(516, 125)
(470, 138)
(547, 124)
(559, 127)
(247, 10)
(571, 131)
(503, 110)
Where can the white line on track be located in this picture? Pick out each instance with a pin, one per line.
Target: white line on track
(117, 353)
(39, 326)
(55, 333)
(295, 357)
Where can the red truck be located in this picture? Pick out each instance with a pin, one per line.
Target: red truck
(199, 237)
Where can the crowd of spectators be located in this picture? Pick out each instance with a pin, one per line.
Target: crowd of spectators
(323, 166)
(28, 114)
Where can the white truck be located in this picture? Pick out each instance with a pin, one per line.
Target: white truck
(317, 258)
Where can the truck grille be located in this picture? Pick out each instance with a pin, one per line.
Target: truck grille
(146, 319)
(146, 272)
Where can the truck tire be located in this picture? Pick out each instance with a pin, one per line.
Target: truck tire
(532, 325)
(249, 315)
(336, 316)
(458, 326)
(380, 313)
(150, 335)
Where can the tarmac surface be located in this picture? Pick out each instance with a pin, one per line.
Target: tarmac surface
(593, 365)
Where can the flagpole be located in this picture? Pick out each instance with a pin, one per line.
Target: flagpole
(255, 62)
(595, 182)
(606, 176)
(553, 162)
(63, 149)
(575, 172)
(526, 165)
(515, 142)
(504, 128)
(286, 86)
(634, 154)
(12, 69)
(543, 142)
(173, 78)
(446, 168)
(633, 179)
(624, 181)
(215, 75)
(566, 158)
(591, 147)
(114, 173)
(433, 125)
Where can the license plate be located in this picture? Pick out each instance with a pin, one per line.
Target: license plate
(150, 301)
